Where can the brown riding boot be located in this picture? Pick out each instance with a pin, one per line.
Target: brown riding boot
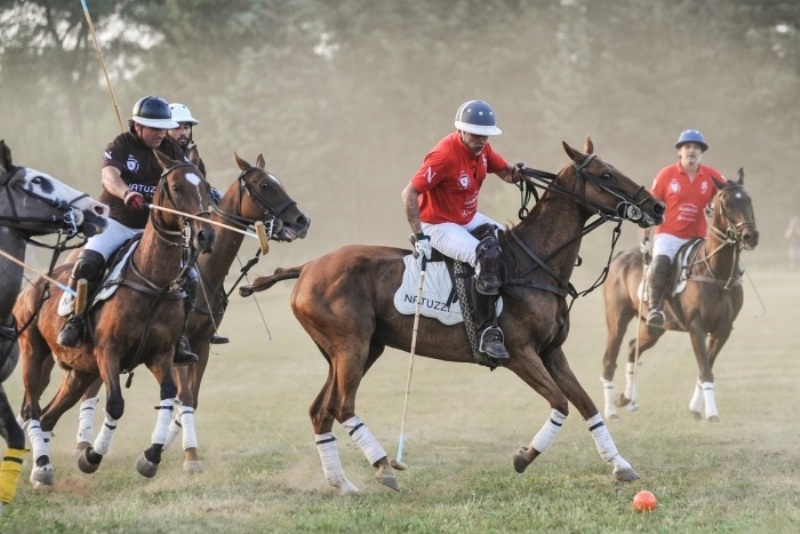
(183, 353)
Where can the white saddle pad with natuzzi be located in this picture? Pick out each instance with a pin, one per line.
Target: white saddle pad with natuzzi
(438, 295)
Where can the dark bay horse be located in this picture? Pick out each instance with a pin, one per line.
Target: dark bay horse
(139, 324)
(706, 308)
(344, 301)
(32, 204)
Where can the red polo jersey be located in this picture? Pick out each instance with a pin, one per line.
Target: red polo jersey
(686, 200)
(450, 179)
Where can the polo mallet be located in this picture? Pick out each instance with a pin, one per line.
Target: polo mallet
(398, 462)
(102, 63)
(632, 406)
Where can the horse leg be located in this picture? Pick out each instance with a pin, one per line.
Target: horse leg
(15, 451)
(705, 384)
(618, 315)
(188, 380)
(89, 460)
(86, 416)
(148, 461)
(647, 337)
(566, 381)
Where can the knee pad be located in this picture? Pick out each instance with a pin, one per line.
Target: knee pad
(90, 266)
(491, 269)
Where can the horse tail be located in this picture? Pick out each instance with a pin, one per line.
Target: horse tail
(265, 282)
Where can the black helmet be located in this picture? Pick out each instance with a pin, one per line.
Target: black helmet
(154, 112)
(477, 118)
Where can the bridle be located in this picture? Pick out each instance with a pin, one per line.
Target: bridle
(67, 222)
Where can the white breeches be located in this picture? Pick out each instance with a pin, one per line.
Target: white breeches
(454, 240)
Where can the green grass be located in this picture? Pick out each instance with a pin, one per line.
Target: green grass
(262, 472)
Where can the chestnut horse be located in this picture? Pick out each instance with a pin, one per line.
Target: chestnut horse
(256, 195)
(32, 203)
(706, 308)
(139, 324)
(344, 301)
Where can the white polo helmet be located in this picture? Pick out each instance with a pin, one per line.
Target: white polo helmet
(476, 117)
(180, 113)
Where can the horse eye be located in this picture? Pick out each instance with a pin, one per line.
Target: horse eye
(606, 176)
(37, 180)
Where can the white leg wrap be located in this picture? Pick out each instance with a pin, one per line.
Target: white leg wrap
(189, 434)
(710, 399)
(364, 439)
(174, 431)
(608, 397)
(86, 421)
(40, 441)
(165, 409)
(630, 383)
(544, 439)
(102, 443)
(331, 466)
(696, 404)
(602, 438)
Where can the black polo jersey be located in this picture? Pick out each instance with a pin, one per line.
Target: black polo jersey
(139, 169)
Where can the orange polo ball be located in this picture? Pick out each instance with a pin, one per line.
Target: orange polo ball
(644, 501)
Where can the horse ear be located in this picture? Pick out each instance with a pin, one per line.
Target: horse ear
(740, 173)
(588, 146)
(573, 154)
(162, 158)
(242, 164)
(719, 184)
(194, 156)
(5, 155)
(260, 163)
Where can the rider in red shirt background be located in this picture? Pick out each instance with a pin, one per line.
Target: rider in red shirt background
(686, 187)
(441, 205)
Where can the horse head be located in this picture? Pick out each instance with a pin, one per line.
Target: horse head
(262, 197)
(182, 196)
(55, 207)
(606, 190)
(733, 212)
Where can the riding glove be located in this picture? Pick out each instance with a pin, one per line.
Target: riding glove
(422, 246)
(134, 201)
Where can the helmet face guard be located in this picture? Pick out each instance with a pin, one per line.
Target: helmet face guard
(692, 136)
(476, 117)
(153, 112)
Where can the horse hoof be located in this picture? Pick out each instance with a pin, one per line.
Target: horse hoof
(626, 474)
(713, 419)
(43, 476)
(633, 407)
(524, 457)
(145, 467)
(621, 400)
(347, 488)
(80, 447)
(385, 476)
(193, 466)
(612, 416)
(89, 461)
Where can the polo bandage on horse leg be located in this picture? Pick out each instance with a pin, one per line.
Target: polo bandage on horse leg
(696, 404)
(40, 441)
(86, 421)
(102, 442)
(9, 474)
(608, 397)
(165, 409)
(174, 431)
(329, 455)
(630, 380)
(544, 439)
(602, 440)
(709, 397)
(364, 439)
(189, 434)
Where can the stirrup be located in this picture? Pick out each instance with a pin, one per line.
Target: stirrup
(183, 354)
(655, 318)
(491, 343)
(216, 339)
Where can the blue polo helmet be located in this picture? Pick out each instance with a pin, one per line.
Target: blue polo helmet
(692, 136)
(476, 117)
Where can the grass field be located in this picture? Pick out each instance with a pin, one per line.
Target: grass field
(263, 474)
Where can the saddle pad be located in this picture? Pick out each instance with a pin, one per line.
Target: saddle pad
(438, 298)
(114, 277)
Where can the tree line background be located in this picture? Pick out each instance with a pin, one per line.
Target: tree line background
(345, 98)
